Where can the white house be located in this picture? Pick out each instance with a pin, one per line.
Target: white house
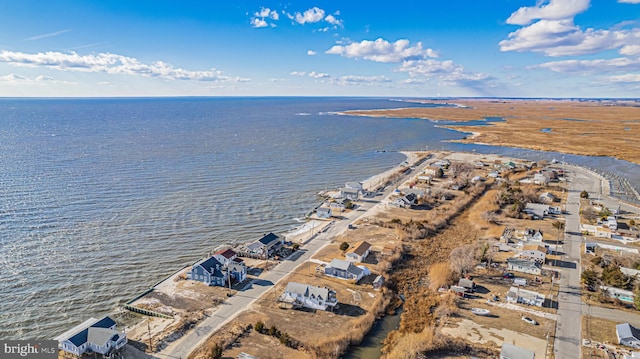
(405, 201)
(533, 235)
(534, 253)
(358, 252)
(628, 335)
(225, 256)
(97, 336)
(344, 270)
(510, 351)
(523, 266)
(349, 193)
(620, 294)
(519, 295)
(541, 179)
(324, 212)
(309, 296)
(354, 185)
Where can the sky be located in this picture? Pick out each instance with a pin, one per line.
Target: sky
(416, 48)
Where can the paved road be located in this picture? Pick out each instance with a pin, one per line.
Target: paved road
(182, 347)
(569, 323)
(615, 315)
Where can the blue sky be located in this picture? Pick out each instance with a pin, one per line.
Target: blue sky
(504, 48)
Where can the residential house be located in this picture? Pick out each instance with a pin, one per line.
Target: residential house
(344, 270)
(93, 336)
(358, 252)
(224, 256)
(354, 185)
(309, 296)
(523, 296)
(541, 179)
(507, 235)
(547, 197)
(534, 252)
(590, 248)
(349, 193)
(266, 246)
(533, 235)
(324, 212)
(620, 294)
(628, 335)
(458, 290)
(536, 210)
(418, 192)
(510, 351)
(405, 201)
(467, 284)
(208, 271)
(630, 272)
(337, 205)
(378, 282)
(523, 266)
(612, 223)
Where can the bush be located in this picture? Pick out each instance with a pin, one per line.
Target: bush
(584, 194)
(216, 352)
(259, 327)
(344, 246)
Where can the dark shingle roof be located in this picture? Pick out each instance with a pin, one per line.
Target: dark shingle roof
(80, 338)
(267, 239)
(227, 253)
(105, 322)
(211, 265)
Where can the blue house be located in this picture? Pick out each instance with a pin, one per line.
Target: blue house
(266, 246)
(209, 271)
(97, 336)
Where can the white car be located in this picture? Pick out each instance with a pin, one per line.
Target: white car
(529, 320)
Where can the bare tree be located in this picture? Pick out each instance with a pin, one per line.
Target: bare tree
(462, 259)
(439, 275)
(490, 216)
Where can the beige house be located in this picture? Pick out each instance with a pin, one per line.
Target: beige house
(358, 252)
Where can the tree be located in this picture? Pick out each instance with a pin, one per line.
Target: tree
(439, 173)
(490, 216)
(632, 222)
(589, 277)
(439, 275)
(259, 327)
(462, 259)
(584, 194)
(344, 246)
(295, 246)
(613, 276)
(559, 226)
(216, 352)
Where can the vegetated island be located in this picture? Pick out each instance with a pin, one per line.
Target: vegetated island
(582, 127)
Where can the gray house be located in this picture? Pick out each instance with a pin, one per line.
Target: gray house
(524, 266)
(93, 336)
(208, 271)
(324, 212)
(308, 296)
(266, 246)
(536, 210)
(628, 335)
(344, 270)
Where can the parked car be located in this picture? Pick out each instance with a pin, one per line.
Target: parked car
(529, 320)
(507, 275)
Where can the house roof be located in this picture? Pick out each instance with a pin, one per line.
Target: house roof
(80, 338)
(360, 248)
(268, 239)
(211, 265)
(626, 330)
(522, 262)
(534, 247)
(345, 266)
(100, 336)
(84, 330)
(227, 253)
(411, 197)
(510, 351)
(307, 290)
(323, 209)
(105, 322)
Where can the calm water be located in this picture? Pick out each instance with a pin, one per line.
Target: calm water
(101, 198)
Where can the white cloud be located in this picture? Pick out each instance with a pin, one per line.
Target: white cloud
(111, 64)
(556, 34)
(628, 78)
(619, 64)
(382, 50)
(332, 20)
(312, 15)
(311, 52)
(319, 75)
(44, 36)
(298, 73)
(629, 1)
(359, 80)
(259, 18)
(630, 50)
(553, 10)
(15, 79)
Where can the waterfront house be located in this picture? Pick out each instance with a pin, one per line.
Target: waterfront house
(628, 335)
(536, 210)
(308, 296)
(266, 246)
(523, 296)
(93, 336)
(225, 256)
(351, 194)
(523, 266)
(358, 252)
(510, 351)
(344, 270)
(405, 201)
(354, 185)
(324, 212)
(535, 253)
(208, 271)
(236, 269)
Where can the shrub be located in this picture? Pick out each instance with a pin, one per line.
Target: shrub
(584, 194)
(344, 246)
(259, 327)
